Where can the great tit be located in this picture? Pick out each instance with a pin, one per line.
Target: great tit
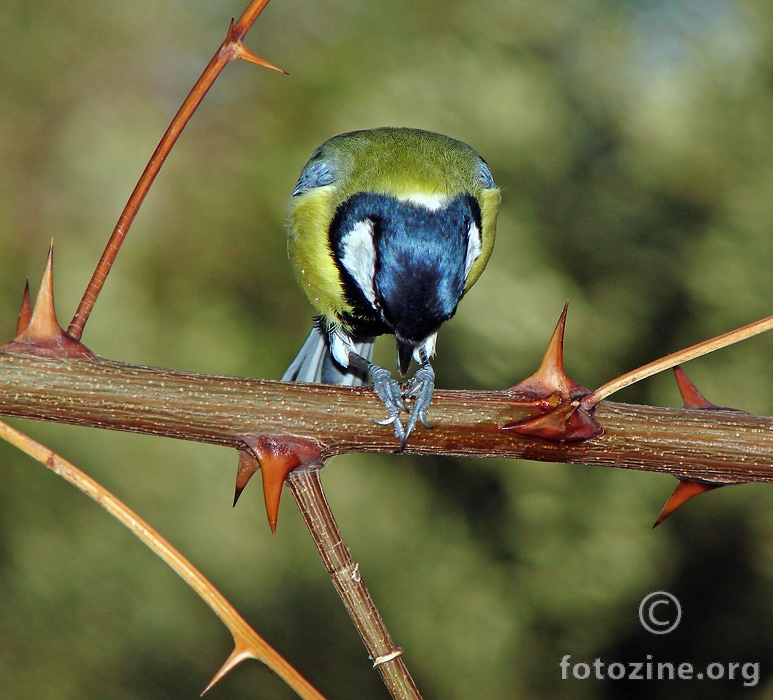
(389, 228)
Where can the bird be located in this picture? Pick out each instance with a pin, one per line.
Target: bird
(388, 230)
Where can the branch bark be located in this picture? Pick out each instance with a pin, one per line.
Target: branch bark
(345, 574)
(714, 445)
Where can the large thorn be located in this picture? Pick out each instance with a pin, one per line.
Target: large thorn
(551, 378)
(40, 333)
(277, 457)
(246, 55)
(43, 326)
(564, 419)
(249, 645)
(235, 44)
(683, 492)
(691, 397)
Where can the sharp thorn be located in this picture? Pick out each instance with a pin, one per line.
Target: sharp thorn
(277, 457)
(43, 324)
(229, 36)
(683, 492)
(551, 378)
(274, 470)
(37, 329)
(248, 465)
(238, 655)
(25, 313)
(246, 55)
(551, 371)
(691, 397)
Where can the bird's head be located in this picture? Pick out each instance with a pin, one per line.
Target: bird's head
(389, 228)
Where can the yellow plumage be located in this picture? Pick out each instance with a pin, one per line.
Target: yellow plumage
(389, 228)
(408, 164)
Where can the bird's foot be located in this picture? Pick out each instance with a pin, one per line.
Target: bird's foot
(421, 388)
(388, 390)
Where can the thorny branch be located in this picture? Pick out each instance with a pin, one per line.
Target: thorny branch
(288, 430)
(248, 644)
(345, 574)
(231, 49)
(718, 445)
(703, 446)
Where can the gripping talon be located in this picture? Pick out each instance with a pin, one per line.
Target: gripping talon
(388, 390)
(421, 388)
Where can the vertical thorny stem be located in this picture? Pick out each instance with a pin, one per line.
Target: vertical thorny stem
(229, 50)
(387, 659)
(305, 484)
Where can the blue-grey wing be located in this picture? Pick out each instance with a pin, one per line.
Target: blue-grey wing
(315, 364)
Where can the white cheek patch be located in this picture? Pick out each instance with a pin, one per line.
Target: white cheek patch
(474, 248)
(359, 257)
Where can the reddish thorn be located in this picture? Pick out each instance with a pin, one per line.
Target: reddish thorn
(691, 397)
(238, 655)
(569, 422)
(235, 48)
(555, 394)
(25, 313)
(276, 463)
(241, 51)
(683, 492)
(230, 35)
(248, 465)
(278, 456)
(42, 333)
(550, 378)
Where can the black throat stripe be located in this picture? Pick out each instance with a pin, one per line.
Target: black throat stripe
(420, 256)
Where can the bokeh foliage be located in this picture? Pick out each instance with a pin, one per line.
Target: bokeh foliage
(632, 140)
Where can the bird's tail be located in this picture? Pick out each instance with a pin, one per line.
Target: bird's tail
(314, 362)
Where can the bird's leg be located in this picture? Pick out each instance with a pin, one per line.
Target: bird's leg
(421, 388)
(388, 390)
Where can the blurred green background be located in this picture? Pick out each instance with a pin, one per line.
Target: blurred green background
(633, 142)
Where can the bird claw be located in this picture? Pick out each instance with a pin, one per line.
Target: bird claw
(388, 390)
(421, 387)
